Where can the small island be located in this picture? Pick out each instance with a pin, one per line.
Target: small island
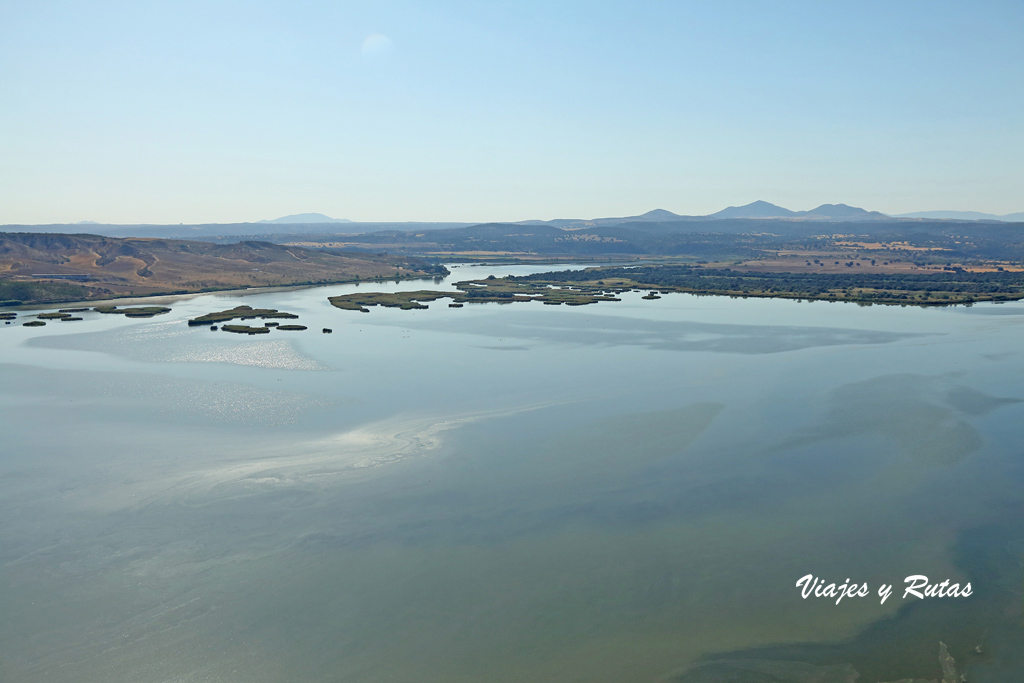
(593, 285)
(134, 312)
(61, 315)
(245, 329)
(242, 313)
(491, 290)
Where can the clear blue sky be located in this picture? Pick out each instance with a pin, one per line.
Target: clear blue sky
(213, 111)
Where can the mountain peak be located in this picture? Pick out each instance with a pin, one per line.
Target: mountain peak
(758, 209)
(837, 210)
(658, 215)
(826, 212)
(843, 212)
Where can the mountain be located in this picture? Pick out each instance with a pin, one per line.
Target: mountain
(825, 212)
(963, 216)
(842, 212)
(307, 218)
(754, 210)
(655, 215)
(758, 209)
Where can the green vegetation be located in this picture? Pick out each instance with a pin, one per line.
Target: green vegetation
(53, 316)
(404, 300)
(491, 290)
(8, 316)
(14, 293)
(245, 329)
(134, 312)
(74, 310)
(579, 288)
(241, 312)
(295, 328)
(33, 323)
(922, 289)
(70, 319)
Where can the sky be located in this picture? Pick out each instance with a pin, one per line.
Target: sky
(220, 111)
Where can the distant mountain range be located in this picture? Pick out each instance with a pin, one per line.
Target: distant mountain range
(754, 210)
(307, 218)
(963, 216)
(825, 212)
(758, 209)
(763, 209)
(733, 219)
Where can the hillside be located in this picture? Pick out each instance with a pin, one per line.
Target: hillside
(51, 267)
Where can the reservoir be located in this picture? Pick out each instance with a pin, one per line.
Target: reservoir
(627, 491)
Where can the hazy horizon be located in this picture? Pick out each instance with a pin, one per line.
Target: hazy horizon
(319, 218)
(469, 112)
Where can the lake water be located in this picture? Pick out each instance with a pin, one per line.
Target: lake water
(618, 492)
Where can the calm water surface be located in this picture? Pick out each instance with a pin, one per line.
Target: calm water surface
(619, 492)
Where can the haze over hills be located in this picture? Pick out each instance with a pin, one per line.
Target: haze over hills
(731, 220)
(238, 231)
(151, 260)
(307, 218)
(825, 212)
(755, 210)
(963, 216)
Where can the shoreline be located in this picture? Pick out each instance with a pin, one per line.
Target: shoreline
(166, 297)
(171, 298)
(577, 286)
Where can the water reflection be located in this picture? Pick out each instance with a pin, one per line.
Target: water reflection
(630, 496)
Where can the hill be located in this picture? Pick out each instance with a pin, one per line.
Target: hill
(825, 212)
(37, 267)
(758, 209)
